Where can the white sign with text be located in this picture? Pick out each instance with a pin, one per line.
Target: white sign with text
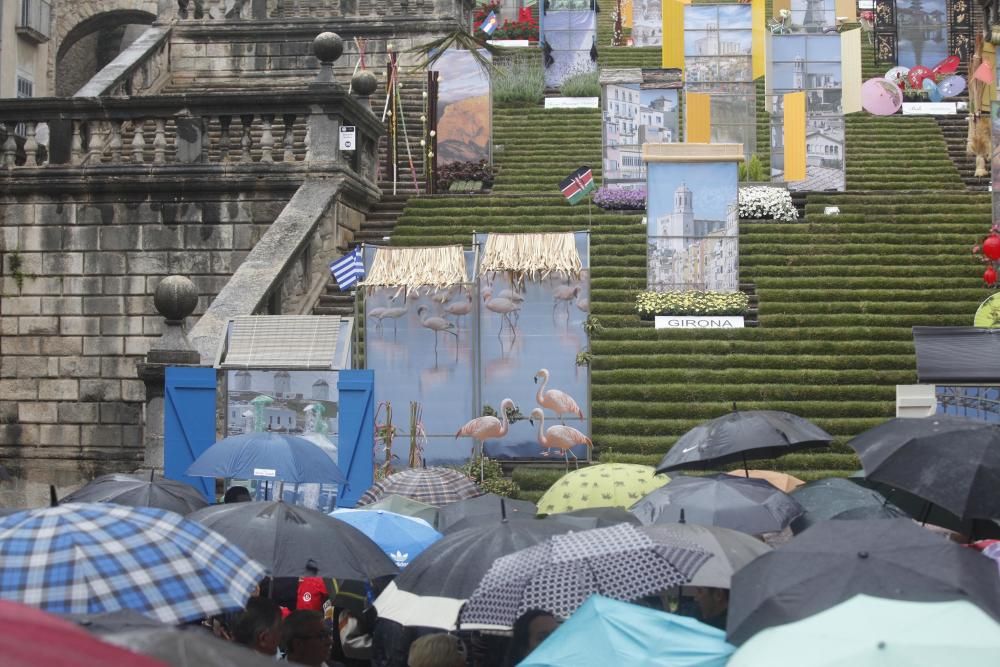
(928, 108)
(571, 102)
(348, 137)
(699, 322)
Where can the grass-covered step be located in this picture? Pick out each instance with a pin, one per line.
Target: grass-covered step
(771, 336)
(739, 392)
(800, 375)
(860, 282)
(756, 347)
(801, 269)
(899, 320)
(653, 427)
(709, 410)
(870, 295)
(758, 361)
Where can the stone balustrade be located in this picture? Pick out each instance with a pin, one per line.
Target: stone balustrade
(290, 127)
(199, 10)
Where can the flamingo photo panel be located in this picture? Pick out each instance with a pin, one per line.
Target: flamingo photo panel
(422, 348)
(531, 333)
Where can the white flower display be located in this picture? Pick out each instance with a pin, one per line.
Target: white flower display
(764, 203)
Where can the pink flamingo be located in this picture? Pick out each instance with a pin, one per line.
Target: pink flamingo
(459, 308)
(502, 306)
(557, 401)
(563, 295)
(560, 437)
(486, 428)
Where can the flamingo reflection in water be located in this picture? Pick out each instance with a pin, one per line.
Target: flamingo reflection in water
(560, 437)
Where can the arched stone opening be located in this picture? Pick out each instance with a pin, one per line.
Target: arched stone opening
(95, 42)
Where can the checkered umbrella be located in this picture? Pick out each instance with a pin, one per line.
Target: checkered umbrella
(100, 557)
(561, 573)
(434, 486)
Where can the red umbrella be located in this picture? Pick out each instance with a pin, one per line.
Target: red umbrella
(33, 638)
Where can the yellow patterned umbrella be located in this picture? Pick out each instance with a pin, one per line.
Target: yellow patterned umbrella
(604, 485)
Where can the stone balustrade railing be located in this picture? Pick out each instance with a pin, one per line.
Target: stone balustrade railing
(285, 9)
(140, 69)
(291, 126)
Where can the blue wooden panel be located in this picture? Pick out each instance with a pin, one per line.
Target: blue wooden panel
(188, 423)
(357, 433)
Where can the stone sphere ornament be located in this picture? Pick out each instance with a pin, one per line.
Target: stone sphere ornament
(175, 298)
(328, 46)
(364, 83)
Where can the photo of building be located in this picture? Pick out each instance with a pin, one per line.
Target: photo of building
(693, 227)
(647, 23)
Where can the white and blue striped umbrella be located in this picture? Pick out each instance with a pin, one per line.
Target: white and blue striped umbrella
(92, 558)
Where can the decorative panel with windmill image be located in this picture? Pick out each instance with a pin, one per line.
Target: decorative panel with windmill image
(535, 300)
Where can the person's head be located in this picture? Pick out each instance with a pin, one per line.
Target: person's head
(305, 638)
(530, 630)
(711, 601)
(259, 627)
(237, 494)
(437, 650)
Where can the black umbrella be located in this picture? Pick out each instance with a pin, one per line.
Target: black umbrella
(434, 586)
(123, 620)
(292, 541)
(594, 517)
(742, 435)
(165, 494)
(839, 498)
(835, 560)
(749, 505)
(951, 462)
(915, 506)
(488, 505)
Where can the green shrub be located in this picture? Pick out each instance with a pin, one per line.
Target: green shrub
(522, 81)
(648, 304)
(493, 479)
(581, 85)
(752, 170)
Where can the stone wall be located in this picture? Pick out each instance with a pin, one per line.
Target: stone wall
(71, 333)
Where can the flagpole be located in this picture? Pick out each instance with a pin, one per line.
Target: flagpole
(590, 210)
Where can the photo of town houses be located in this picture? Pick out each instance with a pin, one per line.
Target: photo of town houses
(287, 401)
(632, 117)
(647, 23)
(692, 227)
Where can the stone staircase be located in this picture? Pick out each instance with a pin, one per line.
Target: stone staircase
(955, 129)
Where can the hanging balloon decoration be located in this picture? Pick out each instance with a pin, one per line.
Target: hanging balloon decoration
(990, 276)
(991, 247)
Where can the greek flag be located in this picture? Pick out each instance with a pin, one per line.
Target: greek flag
(349, 269)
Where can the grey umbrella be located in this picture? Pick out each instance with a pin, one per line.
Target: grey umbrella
(292, 541)
(952, 462)
(835, 560)
(123, 620)
(484, 506)
(188, 648)
(593, 517)
(742, 435)
(839, 498)
(745, 504)
(165, 494)
(731, 550)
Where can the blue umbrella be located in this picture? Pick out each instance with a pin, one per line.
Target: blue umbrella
(401, 537)
(93, 558)
(608, 632)
(267, 456)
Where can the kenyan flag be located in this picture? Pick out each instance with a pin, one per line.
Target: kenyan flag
(577, 185)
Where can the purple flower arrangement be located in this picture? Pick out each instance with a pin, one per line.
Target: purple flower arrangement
(620, 199)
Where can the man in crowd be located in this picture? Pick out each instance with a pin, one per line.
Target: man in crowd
(306, 639)
(259, 628)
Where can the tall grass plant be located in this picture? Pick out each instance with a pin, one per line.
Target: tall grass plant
(519, 81)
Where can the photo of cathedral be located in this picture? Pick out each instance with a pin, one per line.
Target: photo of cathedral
(692, 227)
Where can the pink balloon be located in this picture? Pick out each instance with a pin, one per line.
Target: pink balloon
(880, 97)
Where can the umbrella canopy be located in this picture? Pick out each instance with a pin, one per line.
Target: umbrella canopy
(433, 486)
(594, 517)
(32, 638)
(123, 620)
(952, 462)
(742, 435)
(929, 513)
(748, 505)
(839, 498)
(874, 632)
(99, 557)
(731, 550)
(561, 573)
(432, 589)
(609, 632)
(779, 480)
(189, 648)
(268, 457)
(402, 538)
(835, 560)
(293, 541)
(405, 506)
(603, 485)
(486, 505)
(165, 494)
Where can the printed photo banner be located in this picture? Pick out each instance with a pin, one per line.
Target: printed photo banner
(530, 337)
(692, 217)
(922, 32)
(464, 109)
(569, 44)
(640, 106)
